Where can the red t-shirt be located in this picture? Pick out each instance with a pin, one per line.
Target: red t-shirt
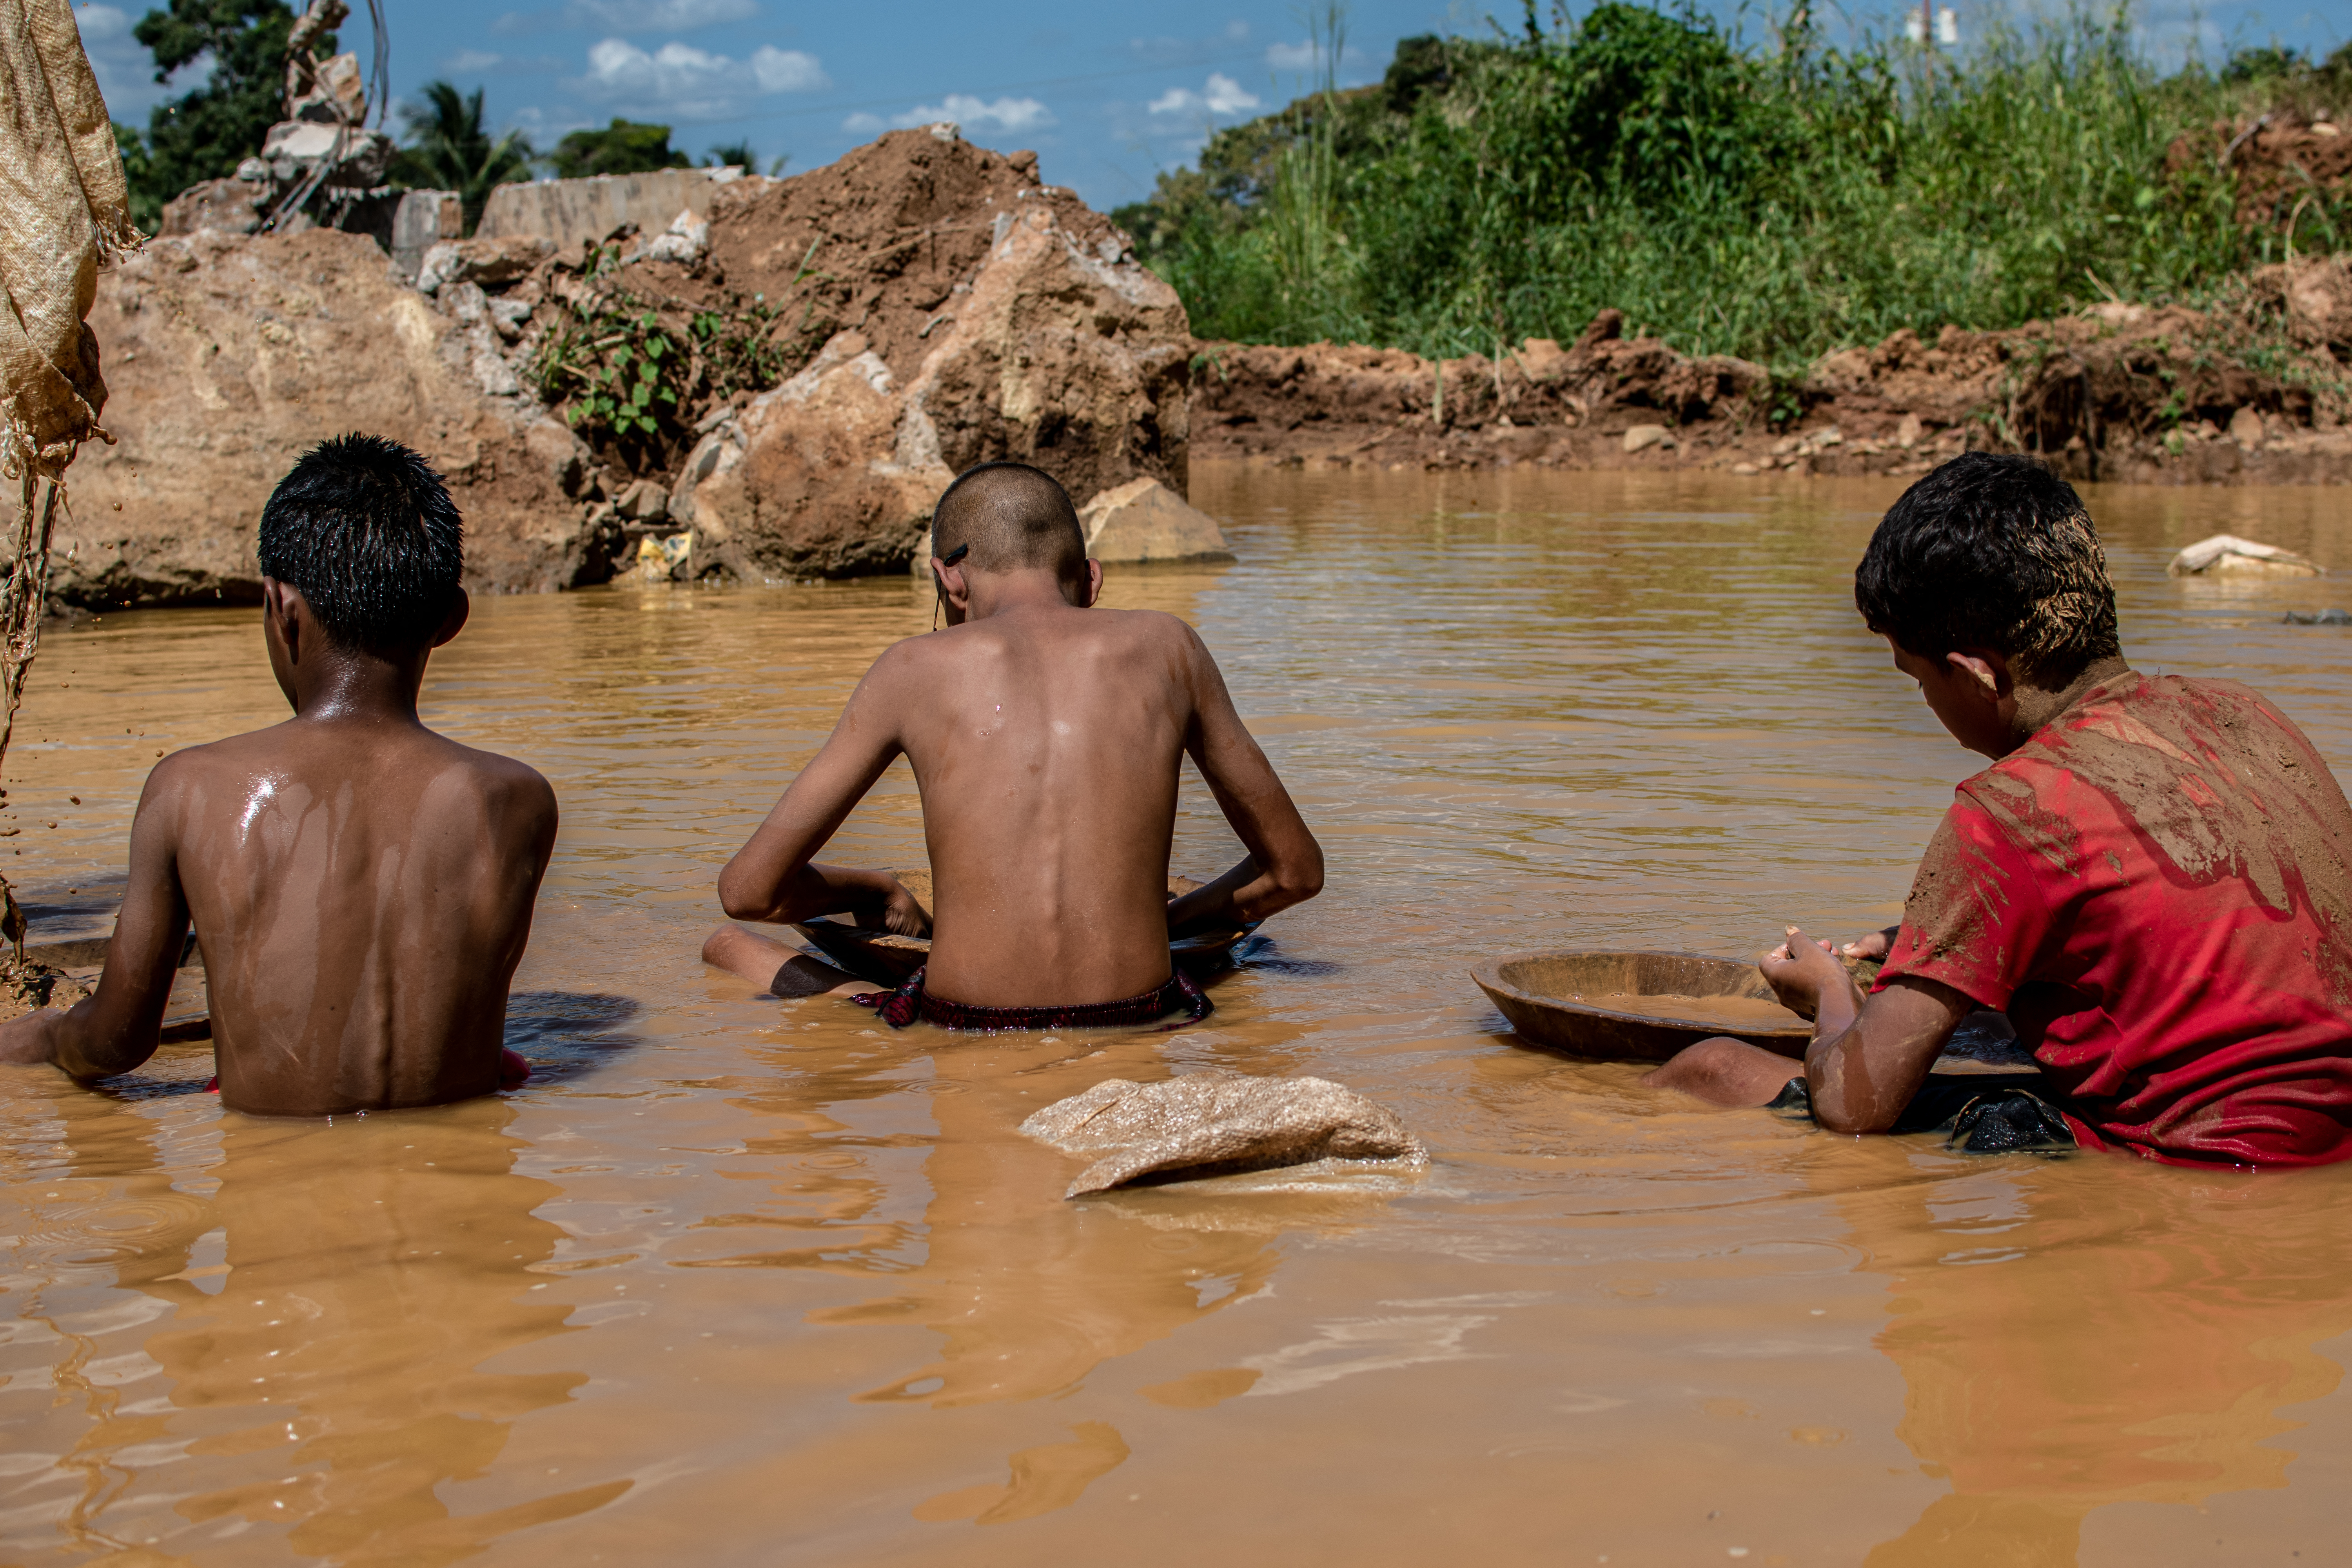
(2154, 888)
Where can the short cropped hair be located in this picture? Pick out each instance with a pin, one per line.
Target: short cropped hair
(365, 530)
(1991, 552)
(1012, 516)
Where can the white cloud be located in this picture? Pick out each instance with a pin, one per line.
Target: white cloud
(787, 70)
(658, 16)
(628, 15)
(125, 70)
(1006, 115)
(1222, 95)
(471, 62)
(681, 82)
(1308, 56)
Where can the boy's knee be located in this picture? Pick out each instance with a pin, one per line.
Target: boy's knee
(1724, 1071)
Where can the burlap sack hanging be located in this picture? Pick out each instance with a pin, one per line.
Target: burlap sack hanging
(64, 210)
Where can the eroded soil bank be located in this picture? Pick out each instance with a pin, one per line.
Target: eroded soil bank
(2252, 391)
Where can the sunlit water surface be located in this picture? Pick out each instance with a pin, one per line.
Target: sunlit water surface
(742, 1282)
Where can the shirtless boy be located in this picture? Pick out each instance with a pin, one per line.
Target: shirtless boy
(362, 888)
(2150, 881)
(1046, 736)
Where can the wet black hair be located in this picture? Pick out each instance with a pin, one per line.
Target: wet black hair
(1992, 551)
(365, 530)
(1009, 516)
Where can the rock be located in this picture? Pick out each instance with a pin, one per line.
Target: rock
(1216, 1123)
(976, 315)
(228, 355)
(338, 93)
(2246, 429)
(487, 262)
(2320, 618)
(232, 207)
(1641, 437)
(686, 240)
(643, 501)
(1144, 521)
(1908, 431)
(294, 148)
(1543, 359)
(423, 220)
(2319, 301)
(2227, 555)
(826, 476)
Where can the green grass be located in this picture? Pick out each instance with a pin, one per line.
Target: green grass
(1772, 202)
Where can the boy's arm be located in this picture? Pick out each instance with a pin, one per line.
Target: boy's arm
(1869, 1055)
(115, 1030)
(772, 878)
(1285, 865)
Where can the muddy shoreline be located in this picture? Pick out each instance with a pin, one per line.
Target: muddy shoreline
(2255, 393)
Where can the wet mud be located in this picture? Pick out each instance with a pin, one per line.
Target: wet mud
(760, 1275)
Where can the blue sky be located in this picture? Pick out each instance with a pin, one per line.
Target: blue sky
(1107, 94)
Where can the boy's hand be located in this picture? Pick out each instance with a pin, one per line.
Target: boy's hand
(1874, 945)
(1799, 970)
(895, 909)
(31, 1039)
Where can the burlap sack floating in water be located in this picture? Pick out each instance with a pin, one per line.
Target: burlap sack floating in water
(64, 210)
(1216, 1123)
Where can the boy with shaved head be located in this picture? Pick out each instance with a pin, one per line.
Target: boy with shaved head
(1046, 736)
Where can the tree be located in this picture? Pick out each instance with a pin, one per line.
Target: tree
(625, 147)
(742, 155)
(205, 134)
(449, 151)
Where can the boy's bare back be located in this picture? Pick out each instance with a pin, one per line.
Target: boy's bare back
(1047, 739)
(1047, 743)
(363, 894)
(361, 886)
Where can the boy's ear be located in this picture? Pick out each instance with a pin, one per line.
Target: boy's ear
(454, 621)
(954, 587)
(1094, 583)
(1985, 671)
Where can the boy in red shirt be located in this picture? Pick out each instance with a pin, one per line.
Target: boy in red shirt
(2151, 880)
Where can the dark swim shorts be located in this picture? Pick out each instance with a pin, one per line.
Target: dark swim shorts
(1974, 1115)
(902, 1007)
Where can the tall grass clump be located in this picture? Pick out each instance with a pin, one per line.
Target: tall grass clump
(1775, 203)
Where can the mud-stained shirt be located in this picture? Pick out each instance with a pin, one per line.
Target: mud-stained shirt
(2155, 888)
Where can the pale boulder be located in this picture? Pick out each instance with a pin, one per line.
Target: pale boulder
(1641, 437)
(1144, 521)
(1216, 1123)
(2227, 555)
(816, 479)
(229, 355)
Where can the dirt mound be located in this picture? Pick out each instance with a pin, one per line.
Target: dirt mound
(918, 307)
(2120, 392)
(2281, 161)
(227, 355)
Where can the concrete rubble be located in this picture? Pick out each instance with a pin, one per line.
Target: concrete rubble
(2227, 555)
(1216, 1123)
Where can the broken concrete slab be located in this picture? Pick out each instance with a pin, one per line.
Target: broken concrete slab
(1216, 1123)
(2227, 555)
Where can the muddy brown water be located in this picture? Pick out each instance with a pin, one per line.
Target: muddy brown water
(759, 1282)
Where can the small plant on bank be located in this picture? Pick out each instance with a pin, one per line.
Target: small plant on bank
(633, 375)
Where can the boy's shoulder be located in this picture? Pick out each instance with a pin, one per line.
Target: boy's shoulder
(293, 751)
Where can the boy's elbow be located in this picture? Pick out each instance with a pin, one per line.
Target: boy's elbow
(1303, 878)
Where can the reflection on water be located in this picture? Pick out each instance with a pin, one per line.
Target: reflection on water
(767, 1279)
